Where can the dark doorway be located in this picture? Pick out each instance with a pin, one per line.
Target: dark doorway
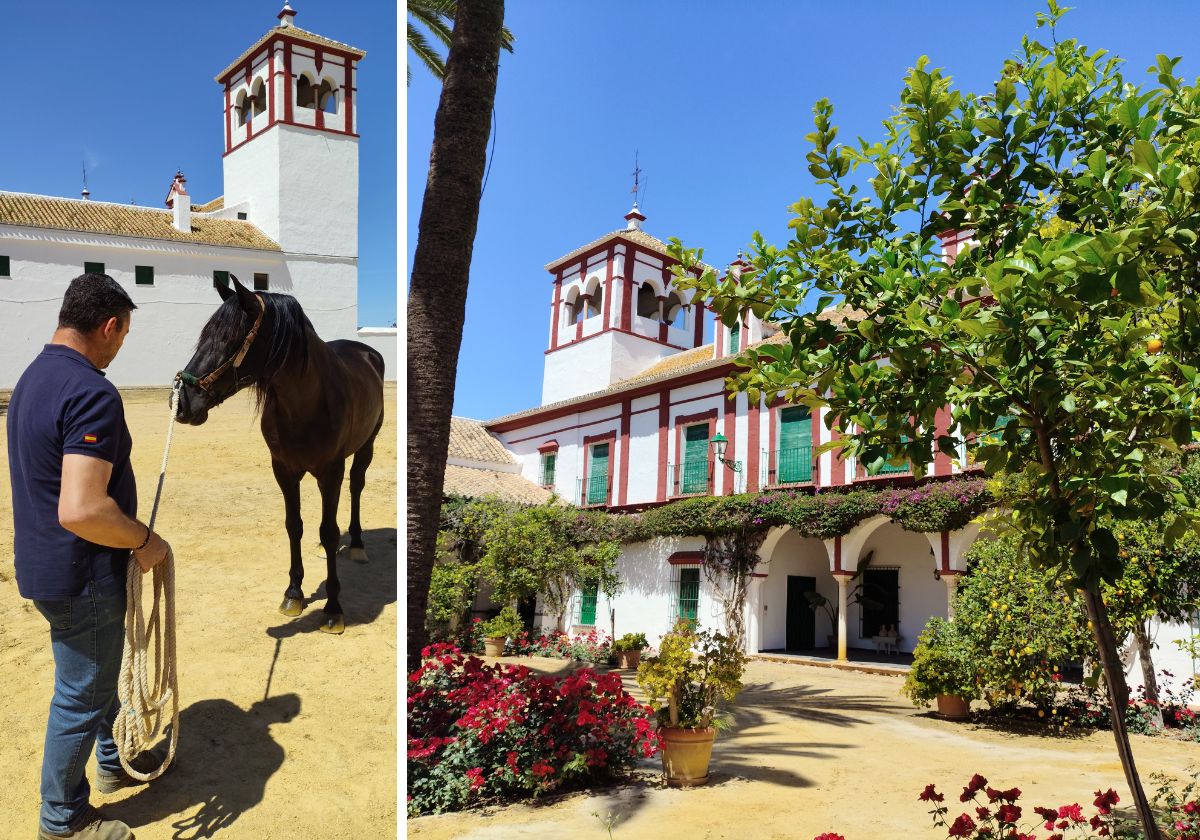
(880, 600)
(525, 609)
(801, 619)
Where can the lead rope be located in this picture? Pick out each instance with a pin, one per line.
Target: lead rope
(139, 723)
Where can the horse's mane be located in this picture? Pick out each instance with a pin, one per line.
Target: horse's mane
(286, 330)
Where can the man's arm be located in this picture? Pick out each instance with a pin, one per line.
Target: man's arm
(87, 511)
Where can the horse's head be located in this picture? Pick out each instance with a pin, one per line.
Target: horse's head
(229, 356)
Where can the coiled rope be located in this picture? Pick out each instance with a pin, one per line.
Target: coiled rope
(139, 722)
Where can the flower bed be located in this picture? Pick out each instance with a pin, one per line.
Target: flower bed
(478, 731)
(594, 647)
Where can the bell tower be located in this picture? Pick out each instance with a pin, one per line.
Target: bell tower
(291, 139)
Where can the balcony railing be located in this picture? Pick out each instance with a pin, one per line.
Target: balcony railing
(593, 490)
(692, 478)
(788, 467)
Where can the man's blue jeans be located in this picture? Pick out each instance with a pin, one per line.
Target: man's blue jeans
(86, 635)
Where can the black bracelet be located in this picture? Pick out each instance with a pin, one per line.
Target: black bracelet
(146, 541)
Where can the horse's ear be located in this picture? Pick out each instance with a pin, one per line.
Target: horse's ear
(245, 297)
(225, 292)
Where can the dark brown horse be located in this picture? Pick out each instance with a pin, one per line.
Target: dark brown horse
(321, 402)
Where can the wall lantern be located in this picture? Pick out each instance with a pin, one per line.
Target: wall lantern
(719, 443)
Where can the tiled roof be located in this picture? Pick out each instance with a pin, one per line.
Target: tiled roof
(75, 214)
(637, 237)
(689, 361)
(291, 32)
(217, 203)
(470, 441)
(467, 481)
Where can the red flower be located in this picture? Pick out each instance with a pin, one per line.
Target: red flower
(1105, 801)
(475, 774)
(976, 784)
(962, 827)
(829, 835)
(1048, 814)
(1072, 812)
(1008, 813)
(541, 768)
(983, 813)
(930, 795)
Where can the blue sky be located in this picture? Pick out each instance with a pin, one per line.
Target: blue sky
(716, 101)
(128, 87)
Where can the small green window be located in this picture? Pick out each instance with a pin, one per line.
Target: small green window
(220, 279)
(695, 459)
(4, 266)
(735, 338)
(261, 282)
(93, 268)
(596, 492)
(689, 592)
(143, 275)
(587, 604)
(548, 460)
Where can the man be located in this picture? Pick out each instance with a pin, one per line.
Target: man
(74, 509)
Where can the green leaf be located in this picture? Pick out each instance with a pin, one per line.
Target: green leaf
(1145, 156)
(1096, 162)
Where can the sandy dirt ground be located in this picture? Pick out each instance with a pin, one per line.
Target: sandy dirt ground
(285, 731)
(815, 750)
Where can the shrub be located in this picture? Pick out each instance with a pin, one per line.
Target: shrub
(688, 687)
(506, 625)
(477, 731)
(593, 646)
(943, 663)
(631, 641)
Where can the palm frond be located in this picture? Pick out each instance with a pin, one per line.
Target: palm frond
(419, 45)
(441, 30)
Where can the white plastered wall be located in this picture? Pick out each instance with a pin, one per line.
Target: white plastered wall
(921, 596)
(792, 554)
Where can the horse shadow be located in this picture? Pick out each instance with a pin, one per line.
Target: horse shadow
(224, 758)
(366, 587)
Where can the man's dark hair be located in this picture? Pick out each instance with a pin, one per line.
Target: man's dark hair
(92, 299)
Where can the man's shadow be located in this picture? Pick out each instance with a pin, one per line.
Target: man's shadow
(225, 756)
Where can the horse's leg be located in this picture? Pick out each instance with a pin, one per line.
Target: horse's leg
(358, 479)
(330, 482)
(289, 482)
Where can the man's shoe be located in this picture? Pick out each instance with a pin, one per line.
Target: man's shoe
(144, 762)
(91, 826)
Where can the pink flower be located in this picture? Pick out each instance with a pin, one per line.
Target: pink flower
(475, 774)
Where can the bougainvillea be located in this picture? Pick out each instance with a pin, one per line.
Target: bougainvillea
(477, 731)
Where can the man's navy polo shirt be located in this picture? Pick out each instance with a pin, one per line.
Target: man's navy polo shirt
(63, 404)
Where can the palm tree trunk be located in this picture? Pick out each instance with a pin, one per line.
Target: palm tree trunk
(438, 286)
(1118, 696)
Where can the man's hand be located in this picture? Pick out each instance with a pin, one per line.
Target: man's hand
(153, 554)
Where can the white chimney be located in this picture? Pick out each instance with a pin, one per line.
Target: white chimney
(634, 218)
(181, 203)
(285, 16)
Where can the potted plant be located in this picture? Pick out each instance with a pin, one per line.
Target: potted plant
(693, 675)
(816, 601)
(495, 631)
(628, 649)
(942, 670)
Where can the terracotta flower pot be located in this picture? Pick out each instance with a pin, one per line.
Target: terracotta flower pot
(494, 647)
(953, 707)
(628, 658)
(685, 754)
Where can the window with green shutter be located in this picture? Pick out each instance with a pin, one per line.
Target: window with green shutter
(689, 592)
(695, 459)
(220, 279)
(261, 282)
(795, 445)
(143, 275)
(596, 491)
(4, 269)
(93, 268)
(735, 338)
(587, 603)
(548, 460)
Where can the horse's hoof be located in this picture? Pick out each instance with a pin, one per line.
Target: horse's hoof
(358, 555)
(334, 623)
(292, 606)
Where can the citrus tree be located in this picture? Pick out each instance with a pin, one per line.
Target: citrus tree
(1065, 331)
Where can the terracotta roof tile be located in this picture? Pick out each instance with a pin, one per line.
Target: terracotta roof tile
(637, 237)
(470, 441)
(291, 32)
(42, 211)
(467, 481)
(216, 204)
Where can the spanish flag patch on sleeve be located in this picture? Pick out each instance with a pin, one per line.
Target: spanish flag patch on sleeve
(89, 438)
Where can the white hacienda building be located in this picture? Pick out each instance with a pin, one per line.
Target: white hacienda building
(287, 222)
(631, 398)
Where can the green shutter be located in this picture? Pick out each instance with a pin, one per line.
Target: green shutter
(735, 338)
(689, 593)
(587, 604)
(4, 269)
(143, 275)
(93, 268)
(795, 445)
(548, 469)
(695, 459)
(220, 279)
(597, 480)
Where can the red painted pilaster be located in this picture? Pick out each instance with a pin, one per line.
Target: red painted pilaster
(287, 81)
(752, 448)
(270, 85)
(628, 303)
(228, 121)
(837, 466)
(608, 291)
(626, 418)
(557, 308)
(664, 420)
(699, 325)
(941, 461)
(349, 99)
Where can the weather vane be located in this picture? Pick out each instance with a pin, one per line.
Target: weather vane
(637, 174)
(85, 193)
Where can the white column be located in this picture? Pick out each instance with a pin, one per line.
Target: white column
(951, 582)
(843, 603)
